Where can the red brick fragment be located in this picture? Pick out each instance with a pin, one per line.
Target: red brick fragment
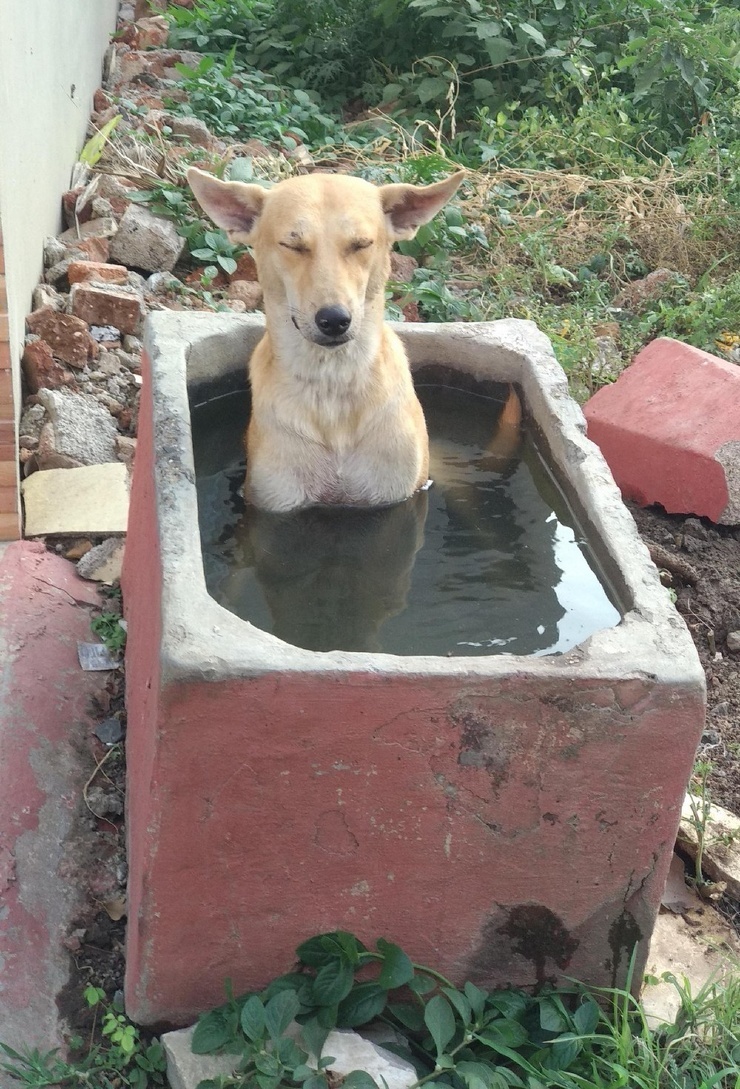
(68, 336)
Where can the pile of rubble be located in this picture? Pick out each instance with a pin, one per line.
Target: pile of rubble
(116, 261)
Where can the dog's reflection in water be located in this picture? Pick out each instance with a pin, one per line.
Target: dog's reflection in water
(330, 576)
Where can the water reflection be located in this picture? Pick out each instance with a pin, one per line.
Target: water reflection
(487, 561)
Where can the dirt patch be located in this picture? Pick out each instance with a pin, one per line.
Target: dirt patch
(96, 943)
(701, 563)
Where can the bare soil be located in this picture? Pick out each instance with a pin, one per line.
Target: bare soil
(701, 563)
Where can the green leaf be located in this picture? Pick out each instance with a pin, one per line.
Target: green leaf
(95, 146)
(318, 951)
(475, 1075)
(214, 239)
(280, 1011)
(494, 1043)
(533, 33)
(359, 1079)
(431, 87)
(487, 29)
(212, 1032)
(421, 984)
(586, 1017)
(202, 254)
(267, 1064)
(314, 1036)
(267, 1081)
(498, 50)
(483, 88)
(327, 1016)
(318, 1081)
(440, 1020)
(505, 1033)
(508, 1003)
(551, 1019)
(411, 1017)
(253, 1019)
(228, 264)
(562, 1052)
(364, 1002)
(397, 967)
(333, 983)
(460, 1002)
(476, 998)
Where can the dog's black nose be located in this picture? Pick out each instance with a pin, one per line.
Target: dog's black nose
(333, 321)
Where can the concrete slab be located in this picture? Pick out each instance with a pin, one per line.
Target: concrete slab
(697, 947)
(44, 696)
(669, 427)
(90, 500)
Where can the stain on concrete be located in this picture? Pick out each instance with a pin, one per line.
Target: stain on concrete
(624, 934)
(530, 931)
(538, 935)
(483, 743)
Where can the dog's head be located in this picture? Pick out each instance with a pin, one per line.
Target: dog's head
(321, 243)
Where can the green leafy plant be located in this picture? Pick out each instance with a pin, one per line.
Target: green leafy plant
(110, 628)
(467, 1037)
(217, 248)
(167, 199)
(240, 102)
(119, 1058)
(456, 1036)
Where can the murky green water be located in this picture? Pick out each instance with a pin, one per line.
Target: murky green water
(488, 560)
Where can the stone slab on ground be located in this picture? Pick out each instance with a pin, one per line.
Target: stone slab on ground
(721, 849)
(44, 699)
(669, 427)
(697, 946)
(91, 500)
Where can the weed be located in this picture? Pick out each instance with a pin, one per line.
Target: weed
(110, 627)
(701, 808)
(119, 1058)
(239, 102)
(218, 248)
(462, 1036)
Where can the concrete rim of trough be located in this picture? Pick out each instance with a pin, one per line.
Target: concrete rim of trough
(201, 638)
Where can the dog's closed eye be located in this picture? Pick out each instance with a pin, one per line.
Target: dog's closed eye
(296, 247)
(360, 244)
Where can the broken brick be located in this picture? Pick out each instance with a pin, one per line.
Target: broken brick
(86, 271)
(67, 335)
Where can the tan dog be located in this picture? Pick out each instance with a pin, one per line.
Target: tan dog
(334, 415)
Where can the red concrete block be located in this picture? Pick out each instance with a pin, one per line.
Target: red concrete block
(669, 428)
(509, 820)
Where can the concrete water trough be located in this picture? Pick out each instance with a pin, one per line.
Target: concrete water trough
(507, 818)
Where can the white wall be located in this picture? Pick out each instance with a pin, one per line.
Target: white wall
(51, 54)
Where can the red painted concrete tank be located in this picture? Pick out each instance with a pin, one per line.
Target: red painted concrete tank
(506, 819)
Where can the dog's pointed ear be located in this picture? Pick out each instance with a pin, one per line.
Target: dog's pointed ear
(406, 207)
(233, 206)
